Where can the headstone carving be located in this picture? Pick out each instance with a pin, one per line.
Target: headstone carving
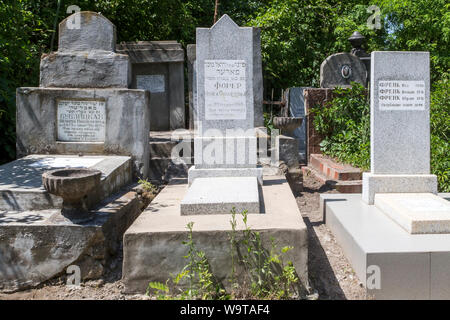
(257, 80)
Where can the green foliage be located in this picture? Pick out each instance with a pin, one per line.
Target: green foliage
(295, 38)
(344, 124)
(23, 34)
(419, 25)
(270, 277)
(440, 133)
(148, 186)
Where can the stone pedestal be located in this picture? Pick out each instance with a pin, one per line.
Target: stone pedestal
(288, 150)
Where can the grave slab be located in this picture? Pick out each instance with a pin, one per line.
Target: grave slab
(406, 263)
(21, 180)
(37, 245)
(416, 212)
(221, 195)
(153, 249)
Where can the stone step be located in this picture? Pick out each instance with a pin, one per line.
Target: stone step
(334, 170)
(164, 169)
(346, 186)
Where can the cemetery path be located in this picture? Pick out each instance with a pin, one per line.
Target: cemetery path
(330, 273)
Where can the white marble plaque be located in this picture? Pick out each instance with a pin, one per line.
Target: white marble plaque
(151, 82)
(401, 95)
(225, 90)
(81, 121)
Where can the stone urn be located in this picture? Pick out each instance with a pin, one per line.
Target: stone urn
(287, 125)
(73, 185)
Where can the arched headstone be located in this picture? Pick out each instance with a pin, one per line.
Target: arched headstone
(340, 69)
(86, 31)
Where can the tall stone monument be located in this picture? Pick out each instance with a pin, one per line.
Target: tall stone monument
(400, 125)
(225, 141)
(83, 104)
(398, 237)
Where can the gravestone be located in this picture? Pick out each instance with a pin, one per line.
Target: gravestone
(400, 125)
(158, 67)
(86, 56)
(296, 103)
(257, 79)
(341, 69)
(399, 234)
(225, 140)
(83, 104)
(83, 116)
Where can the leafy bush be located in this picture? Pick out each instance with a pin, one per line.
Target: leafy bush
(344, 124)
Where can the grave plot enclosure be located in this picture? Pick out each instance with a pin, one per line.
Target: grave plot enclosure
(158, 67)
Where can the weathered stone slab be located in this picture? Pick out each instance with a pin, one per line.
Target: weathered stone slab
(221, 195)
(21, 180)
(340, 69)
(126, 130)
(153, 249)
(417, 213)
(152, 51)
(85, 56)
(296, 101)
(288, 150)
(85, 70)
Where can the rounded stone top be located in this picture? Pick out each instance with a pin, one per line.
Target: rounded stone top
(287, 124)
(356, 39)
(86, 31)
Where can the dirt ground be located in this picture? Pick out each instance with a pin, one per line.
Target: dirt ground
(330, 274)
